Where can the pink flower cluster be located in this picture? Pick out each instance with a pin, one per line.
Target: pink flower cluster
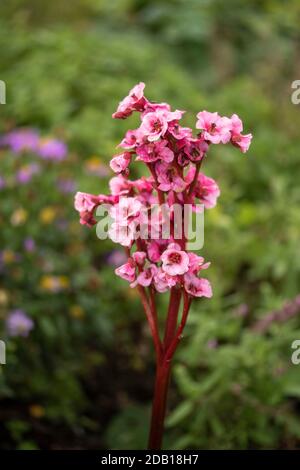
(174, 157)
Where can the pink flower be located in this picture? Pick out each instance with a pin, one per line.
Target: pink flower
(206, 189)
(179, 132)
(127, 209)
(152, 107)
(237, 138)
(155, 249)
(196, 263)
(122, 234)
(120, 162)
(127, 271)
(154, 125)
(145, 277)
(154, 151)
(85, 202)
(175, 261)
(214, 128)
(87, 218)
(131, 139)
(163, 281)
(197, 287)
(195, 149)
(135, 101)
(139, 257)
(168, 178)
(119, 186)
(126, 215)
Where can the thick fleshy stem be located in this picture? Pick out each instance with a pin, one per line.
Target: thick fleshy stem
(162, 378)
(151, 321)
(163, 368)
(172, 316)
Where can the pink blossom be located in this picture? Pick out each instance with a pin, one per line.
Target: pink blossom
(215, 129)
(135, 101)
(120, 162)
(127, 209)
(242, 141)
(206, 189)
(146, 276)
(163, 281)
(196, 263)
(131, 139)
(169, 178)
(175, 261)
(154, 151)
(119, 186)
(127, 214)
(127, 271)
(197, 287)
(152, 107)
(237, 138)
(155, 249)
(139, 257)
(87, 218)
(154, 125)
(144, 184)
(85, 202)
(122, 234)
(195, 149)
(172, 155)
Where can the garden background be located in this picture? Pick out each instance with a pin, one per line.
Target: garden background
(82, 377)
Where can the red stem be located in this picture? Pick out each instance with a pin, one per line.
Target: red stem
(161, 197)
(163, 366)
(152, 322)
(172, 316)
(163, 369)
(173, 346)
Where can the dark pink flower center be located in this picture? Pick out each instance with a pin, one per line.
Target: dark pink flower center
(174, 258)
(157, 125)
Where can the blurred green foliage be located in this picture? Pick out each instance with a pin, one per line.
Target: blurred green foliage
(83, 377)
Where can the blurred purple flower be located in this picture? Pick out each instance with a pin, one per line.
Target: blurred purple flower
(52, 149)
(21, 140)
(116, 258)
(18, 323)
(29, 245)
(67, 185)
(25, 174)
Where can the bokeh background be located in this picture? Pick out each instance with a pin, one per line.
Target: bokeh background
(80, 367)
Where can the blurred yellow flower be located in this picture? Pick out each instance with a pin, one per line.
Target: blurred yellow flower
(54, 283)
(93, 160)
(47, 215)
(37, 411)
(8, 256)
(3, 297)
(19, 216)
(77, 311)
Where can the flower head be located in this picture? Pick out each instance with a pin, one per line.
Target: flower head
(174, 260)
(173, 155)
(135, 101)
(197, 287)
